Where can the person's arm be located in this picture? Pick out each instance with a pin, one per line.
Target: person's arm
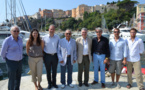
(42, 44)
(124, 53)
(92, 49)
(59, 52)
(4, 49)
(141, 47)
(74, 53)
(107, 52)
(27, 47)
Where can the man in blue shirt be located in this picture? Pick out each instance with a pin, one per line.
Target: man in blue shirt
(118, 52)
(12, 50)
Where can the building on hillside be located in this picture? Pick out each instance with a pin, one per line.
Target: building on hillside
(139, 9)
(47, 13)
(141, 21)
(68, 13)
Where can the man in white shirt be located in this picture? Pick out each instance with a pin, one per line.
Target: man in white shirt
(135, 49)
(67, 57)
(84, 45)
(118, 52)
(50, 55)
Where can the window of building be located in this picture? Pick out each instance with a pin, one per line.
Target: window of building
(140, 8)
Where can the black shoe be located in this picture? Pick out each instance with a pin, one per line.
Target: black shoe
(80, 84)
(94, 82)
(86, 84)
(55, 86)
(142, 89)
(103, 85)
(50, 86)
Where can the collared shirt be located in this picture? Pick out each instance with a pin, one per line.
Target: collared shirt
(51, 44)
(135, 48)
(68, 47)
(85, 45)
(101, 47)
(118, 49)
(12, 49)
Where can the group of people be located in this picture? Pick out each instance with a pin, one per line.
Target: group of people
(52, 50)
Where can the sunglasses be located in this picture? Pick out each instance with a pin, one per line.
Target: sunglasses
(15, 31)
(68, 33)
(116, 32)
(98, 32)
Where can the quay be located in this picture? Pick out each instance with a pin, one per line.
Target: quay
(26, 83)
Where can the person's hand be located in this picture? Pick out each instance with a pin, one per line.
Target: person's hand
(62, 62)
(74, 61)
(105, 61)
(124, 62)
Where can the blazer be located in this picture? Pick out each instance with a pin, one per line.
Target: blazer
(80, 48)
(62, 51)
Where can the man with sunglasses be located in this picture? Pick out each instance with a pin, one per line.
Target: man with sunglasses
(100, 53)
(84, 45)
(135, 49)
(118, 54)
(11, 52)
(67, 57)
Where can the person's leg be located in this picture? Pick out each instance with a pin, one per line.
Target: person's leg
(32, 65)
(69, 69)
(119, 67)
(102, 67)
(138, 74)
(112, 70)
(63, 70)
(80, 71)
(54, 69)
(11, 66)
(48, 64)
(129, 72)
(96, 67)
(39, 71)
(86, 70)
(18, 76)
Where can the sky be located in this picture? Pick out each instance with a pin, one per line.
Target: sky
(32, 6)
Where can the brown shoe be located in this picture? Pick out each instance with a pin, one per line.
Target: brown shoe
(94, 82)
(103, 85)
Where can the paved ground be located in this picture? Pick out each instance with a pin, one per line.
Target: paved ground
(26, 83)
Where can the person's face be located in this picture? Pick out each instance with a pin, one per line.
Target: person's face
(15, 32)
(67, 34)
(132, 33)
(84, 33)
(52, 30)
(116, 33)
(99, 33)
(35, 34)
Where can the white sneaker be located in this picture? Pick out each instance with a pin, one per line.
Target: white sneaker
(112, 84)
(70, 85)
(62, 86)
(118, 85)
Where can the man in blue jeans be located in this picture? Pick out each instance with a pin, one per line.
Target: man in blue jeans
(100, 53)
(12, 50)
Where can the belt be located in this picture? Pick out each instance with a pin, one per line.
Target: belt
(68, 55)
(13, 60)
(85, 55)
(98, 53)
(52, 54)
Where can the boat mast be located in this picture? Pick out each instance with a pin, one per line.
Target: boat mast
(14, 11)
(6, 9)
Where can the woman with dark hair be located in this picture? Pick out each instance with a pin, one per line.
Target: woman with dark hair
(34, 48)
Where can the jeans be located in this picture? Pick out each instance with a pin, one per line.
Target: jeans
(99, 61)
(69, 67)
